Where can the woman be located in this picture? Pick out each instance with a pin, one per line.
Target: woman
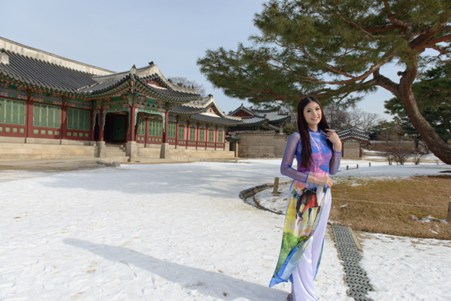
(317, 150)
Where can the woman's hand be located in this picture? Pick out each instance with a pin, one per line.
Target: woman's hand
(320, 181)
(332, 136)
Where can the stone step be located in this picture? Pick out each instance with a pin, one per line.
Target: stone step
(115, 151)
(117, 159)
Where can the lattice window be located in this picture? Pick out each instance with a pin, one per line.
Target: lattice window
(211, 135)
(142, 127)
(181, 132)
(202, 135)
(46, 115)
(171, 130)
(12, 111)
(192, 133)
(78, 119)
(220, 135)
(155, 127)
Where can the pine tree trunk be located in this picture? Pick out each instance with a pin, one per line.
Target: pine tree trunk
(436, 145)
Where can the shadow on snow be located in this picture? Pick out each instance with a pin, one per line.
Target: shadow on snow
(208, 283)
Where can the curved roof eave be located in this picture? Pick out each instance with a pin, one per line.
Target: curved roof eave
(242, 108)
(119, 85)
(215, 120)
(166, 95)
(153, 69)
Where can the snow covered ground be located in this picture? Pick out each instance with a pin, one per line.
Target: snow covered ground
(180, 232)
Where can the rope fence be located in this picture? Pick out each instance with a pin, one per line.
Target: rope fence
(387, 203)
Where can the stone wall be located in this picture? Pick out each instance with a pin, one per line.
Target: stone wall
(351, 149)
(261, 144)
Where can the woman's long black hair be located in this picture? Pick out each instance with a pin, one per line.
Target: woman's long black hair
(306, 154)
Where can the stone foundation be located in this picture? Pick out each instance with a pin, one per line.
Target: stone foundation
(170, 153)
(16, 149)
(28, 151)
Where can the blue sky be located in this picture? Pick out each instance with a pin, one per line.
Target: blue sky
(116, 34)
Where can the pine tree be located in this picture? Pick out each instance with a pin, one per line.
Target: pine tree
(433, 95)
(338, 50)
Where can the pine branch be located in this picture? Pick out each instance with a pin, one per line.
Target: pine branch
(386, 83)
(440, 50)
(433, 43)
(395, 21)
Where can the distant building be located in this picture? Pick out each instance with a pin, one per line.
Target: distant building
(260, 134)
(255, 119)
(352, 140)
(53, 107)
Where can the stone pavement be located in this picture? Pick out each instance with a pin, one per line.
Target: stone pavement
(355, 277)
(54, 165)
(83, 163)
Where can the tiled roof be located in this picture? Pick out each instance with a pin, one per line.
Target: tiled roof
(214, 119)
(275, 116)
(354, 133)
(253, 121)
(104, 83)
(196, 106)
(259, 116)
(23, 69)
(167, 94)
(199, 109)
(261, 112)
(121, 82)
(242, 108)
(44, 56)
(24, 65)
(185, 110)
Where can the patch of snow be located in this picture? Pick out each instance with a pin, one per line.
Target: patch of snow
(180, 232)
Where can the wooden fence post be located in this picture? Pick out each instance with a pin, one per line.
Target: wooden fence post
(276, 186)
(448, 219)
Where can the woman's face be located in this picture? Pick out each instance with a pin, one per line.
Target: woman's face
(312, 115)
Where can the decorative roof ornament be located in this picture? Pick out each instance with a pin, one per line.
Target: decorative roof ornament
(133, 70)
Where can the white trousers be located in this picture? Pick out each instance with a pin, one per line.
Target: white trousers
(303, 288)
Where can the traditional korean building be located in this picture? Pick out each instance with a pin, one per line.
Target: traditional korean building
(260, 134)
(353, 139)
(53, 107)
(256, 120)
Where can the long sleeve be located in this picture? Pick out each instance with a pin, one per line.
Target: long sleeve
(287, 161)
(334, 162)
